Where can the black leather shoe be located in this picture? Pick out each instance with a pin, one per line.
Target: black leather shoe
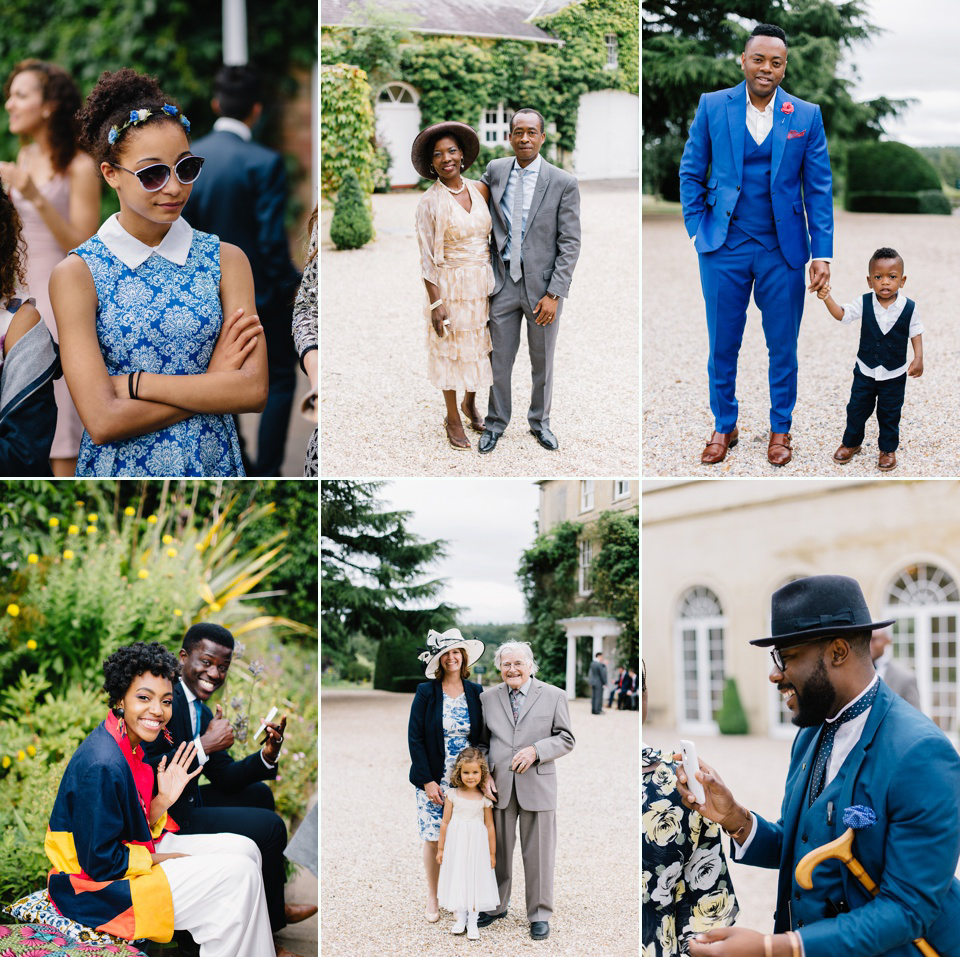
(549, 441)
(539, 930)
(488, 442)
(485, 919)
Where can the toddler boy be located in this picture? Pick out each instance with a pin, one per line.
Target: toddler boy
(888, 320)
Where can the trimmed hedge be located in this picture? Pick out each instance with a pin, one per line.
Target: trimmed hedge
(874, 167)
(731, 718)
(928, 201)
(351, 226)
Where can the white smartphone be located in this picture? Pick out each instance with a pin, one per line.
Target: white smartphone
(263, 727)
(688, 751)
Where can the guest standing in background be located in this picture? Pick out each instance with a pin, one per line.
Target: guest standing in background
(305, 334)
(56, 189)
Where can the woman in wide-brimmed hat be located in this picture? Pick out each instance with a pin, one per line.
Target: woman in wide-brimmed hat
(453, 229)
(444, 719)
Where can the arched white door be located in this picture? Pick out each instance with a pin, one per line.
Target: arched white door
(608, 136)
(398, 122)
(699, 632)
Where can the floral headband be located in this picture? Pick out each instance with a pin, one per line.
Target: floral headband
(141, 116)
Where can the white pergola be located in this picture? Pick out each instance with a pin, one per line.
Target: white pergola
(603, 633)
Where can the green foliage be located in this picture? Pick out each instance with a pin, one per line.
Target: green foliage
(177, 41)
(346, 128)
(615, 578)
(946, 161)
(548, 579)
(351, 226)
(880, 167)
(357, 671)
(731, 718)
(926, 201)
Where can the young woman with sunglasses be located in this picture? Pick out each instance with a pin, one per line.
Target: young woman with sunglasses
(159, 335)
(56, 189)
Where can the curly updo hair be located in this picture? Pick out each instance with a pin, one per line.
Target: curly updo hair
(126, 663)
(110, 103)
(60, 93)
(13, 249)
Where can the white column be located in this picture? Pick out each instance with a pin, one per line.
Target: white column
(597, 637)
(234, 32)
(571, 667)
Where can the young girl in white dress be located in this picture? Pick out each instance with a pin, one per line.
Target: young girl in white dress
(467, 849)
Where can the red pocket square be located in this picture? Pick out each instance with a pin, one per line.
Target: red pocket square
(794, 134)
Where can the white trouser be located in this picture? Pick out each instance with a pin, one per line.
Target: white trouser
(218, 893)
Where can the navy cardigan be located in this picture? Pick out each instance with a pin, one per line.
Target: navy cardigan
(425, 731)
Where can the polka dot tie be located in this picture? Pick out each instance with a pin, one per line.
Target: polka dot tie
(818, 780)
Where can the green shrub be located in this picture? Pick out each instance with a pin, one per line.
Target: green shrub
(406, 683)
(875, 167)
(351, 226)
(356, 671)
(346, 128)
(731, 718)
(926, 201)
(934, 202)
(397, 658)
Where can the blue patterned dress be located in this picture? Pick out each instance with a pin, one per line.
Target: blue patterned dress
(163, 318)
(456, 731)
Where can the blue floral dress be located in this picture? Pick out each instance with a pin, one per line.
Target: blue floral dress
(163, 318)
(456, 731)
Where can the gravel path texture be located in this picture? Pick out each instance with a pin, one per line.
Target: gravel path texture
(381, 417)
(676, 411)
(371, 866)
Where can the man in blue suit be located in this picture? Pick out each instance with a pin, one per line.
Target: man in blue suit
(859, 745)
(757, 197)
(242, 198)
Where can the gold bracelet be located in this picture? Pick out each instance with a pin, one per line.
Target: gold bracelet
(794, 943)
(767, 945)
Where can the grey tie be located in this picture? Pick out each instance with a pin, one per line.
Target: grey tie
(516, 230)
(515, 704)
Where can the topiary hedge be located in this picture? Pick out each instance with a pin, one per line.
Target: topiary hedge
(876, 167)
(351, 226)
(926, 201)
(731, 718)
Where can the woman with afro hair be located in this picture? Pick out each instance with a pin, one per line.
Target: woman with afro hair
(118, 864)
(56, 189)
(155, 368)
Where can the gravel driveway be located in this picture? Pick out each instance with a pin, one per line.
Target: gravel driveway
(381, 417)
(370, 853)
(676, 410)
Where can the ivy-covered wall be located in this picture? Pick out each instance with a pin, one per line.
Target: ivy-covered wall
(346, 128)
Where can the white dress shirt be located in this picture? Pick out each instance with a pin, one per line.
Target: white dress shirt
(886, 320)
(191, 697)
(760, 122)
(530, 175)
(227, 124)
(174, 247)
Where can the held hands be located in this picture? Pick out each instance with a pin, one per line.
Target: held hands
(18, 178)
(434, 792)
(823, 292)
(523, 759)
(546, 310)
(173, 778)
(819, 274)
(219, 734)
(727, 942)
(237, 339)
(271, 747)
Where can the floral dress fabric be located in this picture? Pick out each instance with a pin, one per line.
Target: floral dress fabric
(456, 731)
(305, 335)
(685, 886)
(455, 256)
(162, 318)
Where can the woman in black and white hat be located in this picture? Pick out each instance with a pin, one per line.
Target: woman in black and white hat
(444, 719)
(453, 230)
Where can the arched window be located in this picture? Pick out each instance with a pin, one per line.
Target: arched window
(398, 92)
(700, 626)
(925, 603)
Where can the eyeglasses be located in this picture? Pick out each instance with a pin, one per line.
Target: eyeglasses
(778, 658)
(157, 176)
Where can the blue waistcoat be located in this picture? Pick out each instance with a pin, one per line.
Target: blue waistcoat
(753, 214)
(877, 349)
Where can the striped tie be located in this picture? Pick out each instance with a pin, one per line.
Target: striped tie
(516, 229)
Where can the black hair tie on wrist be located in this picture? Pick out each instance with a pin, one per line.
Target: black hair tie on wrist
(137, 388)
(130, 385)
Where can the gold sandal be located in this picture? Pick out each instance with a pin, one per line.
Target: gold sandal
(454, 445)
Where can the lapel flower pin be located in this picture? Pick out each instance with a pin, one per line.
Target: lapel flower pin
(787, 108)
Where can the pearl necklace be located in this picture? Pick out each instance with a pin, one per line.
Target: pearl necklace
(455, 192)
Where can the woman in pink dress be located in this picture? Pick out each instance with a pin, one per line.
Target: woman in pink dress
(56, 190)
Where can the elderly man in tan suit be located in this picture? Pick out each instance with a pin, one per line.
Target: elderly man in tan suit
(527, 727)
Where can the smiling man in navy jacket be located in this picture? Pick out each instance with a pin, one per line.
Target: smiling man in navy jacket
(757, 196)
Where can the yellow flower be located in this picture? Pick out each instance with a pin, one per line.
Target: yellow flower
(73, 530)
(33, 558)
(178, 612)
(54, 522)
(661, 823)
(6, 762)
(91, 529)
(31, 750)
(143, 573)
(21, 755)
(92, 517)
(167, 539)
(152, 519)
(216, 606)
(171, 553)
(13, 610)
(199, 546)
(31, 644)
(129, 510)
(78, 504)
(67, 554)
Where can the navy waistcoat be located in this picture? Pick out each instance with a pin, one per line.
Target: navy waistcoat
(877, 349)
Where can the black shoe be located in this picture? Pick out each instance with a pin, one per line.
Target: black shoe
(549, 441)
(488, 442)
(539, 930)
(485, 919)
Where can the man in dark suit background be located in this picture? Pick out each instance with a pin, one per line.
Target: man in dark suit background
(237, 799)
(241, 198)
(900, 678)
(597, 679)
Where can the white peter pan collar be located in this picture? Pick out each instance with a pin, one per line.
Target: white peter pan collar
(174, 247)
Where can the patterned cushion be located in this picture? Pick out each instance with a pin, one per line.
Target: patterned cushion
(43, 940)
(38, 908)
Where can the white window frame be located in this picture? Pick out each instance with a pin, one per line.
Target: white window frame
(496, 131)
(390, 88)
(587, 496)
(612, 44)
(584, 561)
(621, 489)
(710, 618)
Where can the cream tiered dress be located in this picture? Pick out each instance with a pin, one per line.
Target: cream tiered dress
(455, 256)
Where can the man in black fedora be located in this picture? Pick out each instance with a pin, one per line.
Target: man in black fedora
(860, 745)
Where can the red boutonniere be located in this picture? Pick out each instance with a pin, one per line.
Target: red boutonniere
(787, 108)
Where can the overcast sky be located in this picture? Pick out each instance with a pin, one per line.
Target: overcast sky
(915, 57)
(487, 523)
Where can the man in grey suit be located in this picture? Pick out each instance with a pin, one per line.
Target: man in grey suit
(534, 245)
(527, 727)
(900, 679)
(597, 679)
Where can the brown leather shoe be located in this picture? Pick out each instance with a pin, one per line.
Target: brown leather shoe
(778, 451)
(294, 913)
(716, 450)
(845, 453)
(887, 461)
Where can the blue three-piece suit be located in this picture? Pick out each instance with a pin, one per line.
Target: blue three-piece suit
(756, 212)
